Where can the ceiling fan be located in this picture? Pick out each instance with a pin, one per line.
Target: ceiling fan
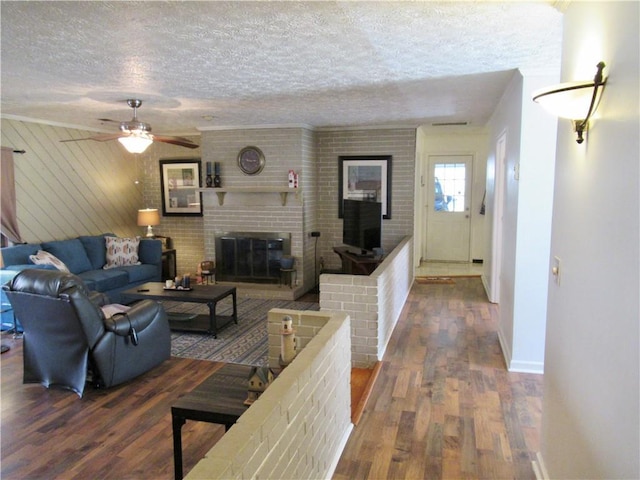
(135, 135)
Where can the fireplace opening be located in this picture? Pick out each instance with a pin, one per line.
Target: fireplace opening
(252, 257)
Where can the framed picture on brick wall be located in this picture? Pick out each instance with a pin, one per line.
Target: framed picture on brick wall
(180, 181)
(365, 178)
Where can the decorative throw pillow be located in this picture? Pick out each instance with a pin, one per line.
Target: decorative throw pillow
(121, 252)
(46, 258)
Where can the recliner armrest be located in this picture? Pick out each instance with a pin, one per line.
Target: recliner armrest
(98, 298)
(140, 316)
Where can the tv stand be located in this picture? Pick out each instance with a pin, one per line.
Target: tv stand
(357, 264)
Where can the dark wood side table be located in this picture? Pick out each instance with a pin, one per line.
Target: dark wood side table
(208, 294)
(219, 399)
(169, 270)
(357, 264)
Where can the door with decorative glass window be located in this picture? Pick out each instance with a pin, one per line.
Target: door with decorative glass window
(448, 208)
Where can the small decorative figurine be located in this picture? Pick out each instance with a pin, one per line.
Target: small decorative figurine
(259, 379)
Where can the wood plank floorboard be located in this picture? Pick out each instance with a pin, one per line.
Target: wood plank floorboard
(444, 406)
(117, 433)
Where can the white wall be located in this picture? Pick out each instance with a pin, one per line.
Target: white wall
(535, 200)
(590, 418)
(527, 180)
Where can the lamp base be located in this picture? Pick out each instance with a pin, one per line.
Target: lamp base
(150, 233)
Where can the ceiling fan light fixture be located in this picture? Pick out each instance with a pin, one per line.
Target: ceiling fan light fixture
(136, 142)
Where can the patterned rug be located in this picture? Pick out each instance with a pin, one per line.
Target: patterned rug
(244, 343)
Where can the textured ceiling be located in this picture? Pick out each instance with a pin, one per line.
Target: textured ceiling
(200, 65)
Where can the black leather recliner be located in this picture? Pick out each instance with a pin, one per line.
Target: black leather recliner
(66, 335)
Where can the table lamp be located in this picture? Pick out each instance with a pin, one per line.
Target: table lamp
(148, 217)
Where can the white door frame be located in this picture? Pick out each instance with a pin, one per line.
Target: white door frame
(498, 212)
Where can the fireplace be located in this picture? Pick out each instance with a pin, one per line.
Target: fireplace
(252, 257)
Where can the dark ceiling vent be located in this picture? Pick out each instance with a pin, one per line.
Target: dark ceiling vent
(449, 124)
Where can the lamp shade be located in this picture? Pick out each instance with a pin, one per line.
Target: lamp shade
(568, 100)
(136, 142)
(576, 101)
(148, 216)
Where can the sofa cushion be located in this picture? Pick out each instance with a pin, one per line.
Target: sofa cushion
(140, 273)
(96, 249)
(104, 280)
(71, 252)
(121, 252)
(19, 268)
(46, 258)
(19, 254)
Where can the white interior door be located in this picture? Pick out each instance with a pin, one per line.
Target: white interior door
(447, 208)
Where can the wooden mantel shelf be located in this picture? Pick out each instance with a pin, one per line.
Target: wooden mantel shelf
(221, 192)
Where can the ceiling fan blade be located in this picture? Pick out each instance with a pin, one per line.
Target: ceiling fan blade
(99, 138)
(109, 120)
(180, 141)
(137, 129)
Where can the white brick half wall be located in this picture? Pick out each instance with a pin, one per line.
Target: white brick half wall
(373, 302)
(297, 429)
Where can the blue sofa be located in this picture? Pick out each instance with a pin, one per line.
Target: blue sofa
(85, 256)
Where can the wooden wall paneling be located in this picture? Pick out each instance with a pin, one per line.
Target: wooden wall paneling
(35, 195)
(93, 165)
(69, 189)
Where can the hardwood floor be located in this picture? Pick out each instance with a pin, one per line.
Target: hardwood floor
(444, 405)
(119, 433)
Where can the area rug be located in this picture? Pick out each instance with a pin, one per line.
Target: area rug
(435, 280)
(244, 343)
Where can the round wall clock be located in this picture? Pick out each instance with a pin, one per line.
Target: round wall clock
(251, 160)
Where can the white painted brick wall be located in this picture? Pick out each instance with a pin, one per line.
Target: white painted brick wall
(298, 427)
(315, 156)
(333, 143)
(373, 302)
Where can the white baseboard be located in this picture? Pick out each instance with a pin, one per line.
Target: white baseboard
(517, 366)
(343, 444)
(504, 346)
(487, 290)
(526, 367)
(539, 468)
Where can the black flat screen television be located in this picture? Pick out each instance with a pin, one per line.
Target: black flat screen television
(362, 226)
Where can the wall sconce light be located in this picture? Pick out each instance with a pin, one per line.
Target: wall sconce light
(136, 142)
(573, 100)
(148, 217)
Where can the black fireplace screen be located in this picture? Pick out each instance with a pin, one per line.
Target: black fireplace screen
(252, 257)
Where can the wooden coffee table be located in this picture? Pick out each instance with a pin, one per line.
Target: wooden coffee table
(219, 399)
(208, 294)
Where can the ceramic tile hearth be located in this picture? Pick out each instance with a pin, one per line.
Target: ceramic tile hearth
(265, 291)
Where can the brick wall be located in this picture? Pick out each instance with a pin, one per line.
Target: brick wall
(314, 154)
(284, 149)
(373, 302)
(306, 327)
(398, 142)
(299, 426)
